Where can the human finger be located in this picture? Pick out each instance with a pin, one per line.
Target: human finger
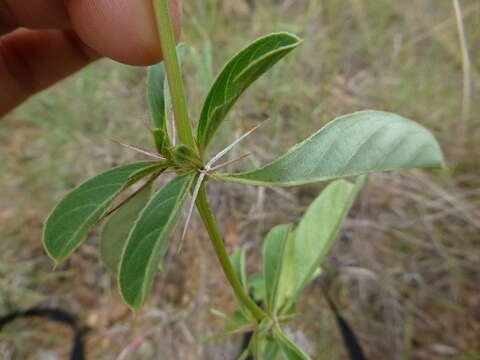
(32, 60)
(37, 14)
(123, 30)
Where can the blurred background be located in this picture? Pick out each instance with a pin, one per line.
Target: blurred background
(405, 270)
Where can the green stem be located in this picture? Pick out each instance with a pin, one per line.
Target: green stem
(217, 242)
(174, 73)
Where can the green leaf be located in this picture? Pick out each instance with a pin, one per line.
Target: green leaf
(319, 227)
(162, 142)
(289, 349)
(359, 143)
(115, 231)
(270, 350)
(186, 157)
(288, 312)
(286, 284)
(234, 325)
(148, 240)
(155, 167)
(238, 262)
(239, 73)
(273, 258)
(238, 322)
(244, 355)
(158, 93)
(256, 282)
(69, 222)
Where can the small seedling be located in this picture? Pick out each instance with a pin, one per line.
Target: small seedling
(137, 232)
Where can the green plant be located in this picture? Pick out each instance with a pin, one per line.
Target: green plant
(137, 233)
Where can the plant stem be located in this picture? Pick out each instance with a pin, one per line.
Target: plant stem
(217, 242)
(185, 135)
(174, 73)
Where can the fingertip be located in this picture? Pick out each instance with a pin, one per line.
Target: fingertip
(122, 30)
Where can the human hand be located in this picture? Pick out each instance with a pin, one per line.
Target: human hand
(43, 41)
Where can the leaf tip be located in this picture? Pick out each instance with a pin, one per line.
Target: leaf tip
(55, 259)
(134, 305)
(289, 34)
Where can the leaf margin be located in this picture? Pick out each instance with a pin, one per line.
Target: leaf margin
(203, 135)
(106, 204)
(240, 177)
(148, 277)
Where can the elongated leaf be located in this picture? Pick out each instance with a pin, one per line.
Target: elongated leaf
(155, 167)
(286, 285)
(239, 73)
(162, 142)
(68, 224)
(270, 350)
(289, 349)
(157, 95)
(273, 259)
(116, 229)
(319, 228)
(148, 240)
(238, 262)
(256, 283)
(359, 143)
(244, 355)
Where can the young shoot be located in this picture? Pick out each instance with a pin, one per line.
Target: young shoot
(350, 146)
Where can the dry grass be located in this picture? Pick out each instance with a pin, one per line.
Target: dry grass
(405, 270)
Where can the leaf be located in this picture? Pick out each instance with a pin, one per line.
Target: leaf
(234, 325)
(273, 258)
(270, 350)
(238, 262)
(286, 284)
(288, 312)
(67, 226)
(157, 95)
(162, 142)
(244, 355)
(239, 73)
(154, 167)
(148, 240)
(115, 231)
(289, 349)
(238, 322)
(319, 227)
(256, 282)
(359, 143)
(186, 157)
